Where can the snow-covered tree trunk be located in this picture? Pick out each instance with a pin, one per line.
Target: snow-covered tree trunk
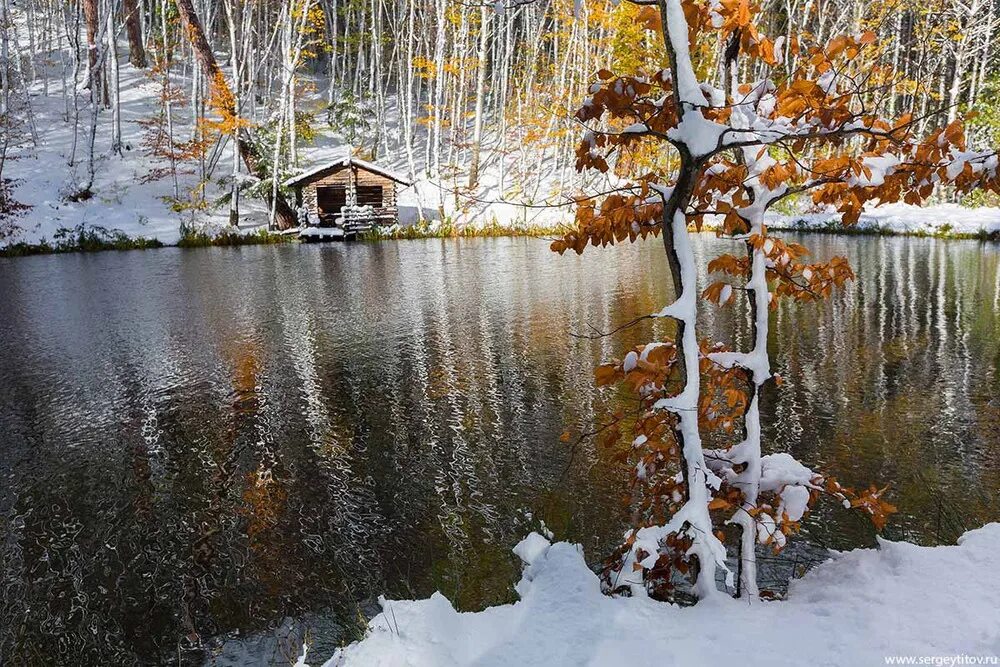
(114, 84)
(692, 519)
(236, 76)
(6, 27)
(482, 54)
(440, 78)
(746, 455)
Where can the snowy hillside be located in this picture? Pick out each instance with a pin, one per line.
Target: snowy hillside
(137, 192)
(127, 196)
(134, 192)
(131, 197)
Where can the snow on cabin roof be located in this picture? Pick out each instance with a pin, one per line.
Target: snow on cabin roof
(345, 162)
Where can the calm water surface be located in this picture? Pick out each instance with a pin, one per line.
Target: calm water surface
(205, 454)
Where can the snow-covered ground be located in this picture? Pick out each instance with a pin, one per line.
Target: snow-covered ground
(943, 219)
(124, 197)
(858, 608)
(127, 200)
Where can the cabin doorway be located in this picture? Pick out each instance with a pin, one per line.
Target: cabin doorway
(329, 200)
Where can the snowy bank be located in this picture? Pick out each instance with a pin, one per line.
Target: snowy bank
(133, 193)
(950, 220)
(854, 609)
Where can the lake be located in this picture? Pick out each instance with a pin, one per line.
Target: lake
(205, 454)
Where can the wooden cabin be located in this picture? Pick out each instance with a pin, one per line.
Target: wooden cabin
(338, 194)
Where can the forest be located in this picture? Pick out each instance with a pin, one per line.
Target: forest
(214, 104)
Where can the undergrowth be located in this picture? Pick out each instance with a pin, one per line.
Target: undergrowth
(199, 238)
(945, 231)
(435, 229)
(82, 238)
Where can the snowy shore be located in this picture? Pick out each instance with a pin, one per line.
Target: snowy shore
(945, 220)
(858, 608)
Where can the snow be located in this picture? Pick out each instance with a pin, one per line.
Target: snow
(322, 233)
(688, 87)
(531, 548)
(854, 609)
(944, 219)
(125, 199)
(767, 531)
(121, 200)
(879, 167)
(630, 362)
(827, 80)
(350, 161)
(794, 502)
(700, 135)
(780, 469)
(694, 513)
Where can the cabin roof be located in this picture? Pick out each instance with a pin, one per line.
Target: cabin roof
(347, 162)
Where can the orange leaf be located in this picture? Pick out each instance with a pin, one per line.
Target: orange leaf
(718, 504)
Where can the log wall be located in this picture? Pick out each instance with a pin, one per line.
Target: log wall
(343, 178)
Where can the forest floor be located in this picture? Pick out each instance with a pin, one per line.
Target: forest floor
(862, 607)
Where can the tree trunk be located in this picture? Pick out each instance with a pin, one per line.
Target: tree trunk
(90, 16)
(477, 130)
(223, 97)
(5, 82)
(115, 88)
(235, 63)
(136, 51)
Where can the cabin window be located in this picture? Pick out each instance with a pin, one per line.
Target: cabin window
(370, 195)
(330, 199)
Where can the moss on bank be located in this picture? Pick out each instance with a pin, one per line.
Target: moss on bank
(83, 238)
(447, 229)
(95, 239)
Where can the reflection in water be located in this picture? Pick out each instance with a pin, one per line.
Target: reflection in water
(197, 445)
